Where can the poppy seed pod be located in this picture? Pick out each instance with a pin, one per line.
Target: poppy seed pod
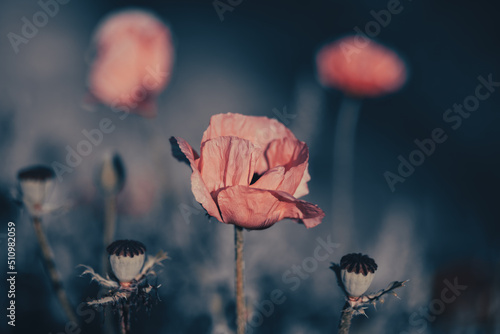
(36, 184)
(110, 176)
(357, 272)
(126, 258)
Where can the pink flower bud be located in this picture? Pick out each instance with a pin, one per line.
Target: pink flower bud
(357, 272)
(126, 258)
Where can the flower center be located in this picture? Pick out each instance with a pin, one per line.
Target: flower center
(255, 177)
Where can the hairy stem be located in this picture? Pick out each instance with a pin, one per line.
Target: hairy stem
(345, 319)
(240, 294)
(50, 266)
(125, 318)
(108, 235)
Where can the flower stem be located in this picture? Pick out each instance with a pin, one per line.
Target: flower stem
(50, 266)
(345, 319)
(343, 162)
(109, 229)
(108, 235)
(125, 318)
(240, 294)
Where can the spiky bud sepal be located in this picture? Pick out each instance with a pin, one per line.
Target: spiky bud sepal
(137, 292)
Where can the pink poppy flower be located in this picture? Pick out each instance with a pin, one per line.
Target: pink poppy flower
(250, 172)
(133, 61)
(365, 69)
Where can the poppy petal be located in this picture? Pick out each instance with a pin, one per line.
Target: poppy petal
(303, 189)
(271, 180)
(226, 162)
(294, 155)
(258, 130)
(259, 209)
(199, 188)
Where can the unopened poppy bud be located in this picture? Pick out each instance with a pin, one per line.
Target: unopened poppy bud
(36, 184)
(126, 258)
(357, 272)
(110, 176)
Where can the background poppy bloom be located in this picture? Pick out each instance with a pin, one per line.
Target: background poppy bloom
(362, 69)
(134, 58)
(250, 172)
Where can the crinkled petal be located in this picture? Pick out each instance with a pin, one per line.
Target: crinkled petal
(303, 189)
(259, 130)
(199, 188)
(258, 209)
(294, 156)
(271, 180)
(226, 162)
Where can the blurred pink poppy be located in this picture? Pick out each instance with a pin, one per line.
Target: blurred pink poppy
(133, 61)
(250, 172)
(361, 69)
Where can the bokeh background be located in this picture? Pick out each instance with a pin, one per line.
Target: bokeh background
(441, 223)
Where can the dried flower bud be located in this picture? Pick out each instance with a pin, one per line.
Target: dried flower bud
(357, 272)
(36, 184)
(126, 258)
(110, 176)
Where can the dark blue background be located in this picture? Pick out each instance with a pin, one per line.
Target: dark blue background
(439, 224)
